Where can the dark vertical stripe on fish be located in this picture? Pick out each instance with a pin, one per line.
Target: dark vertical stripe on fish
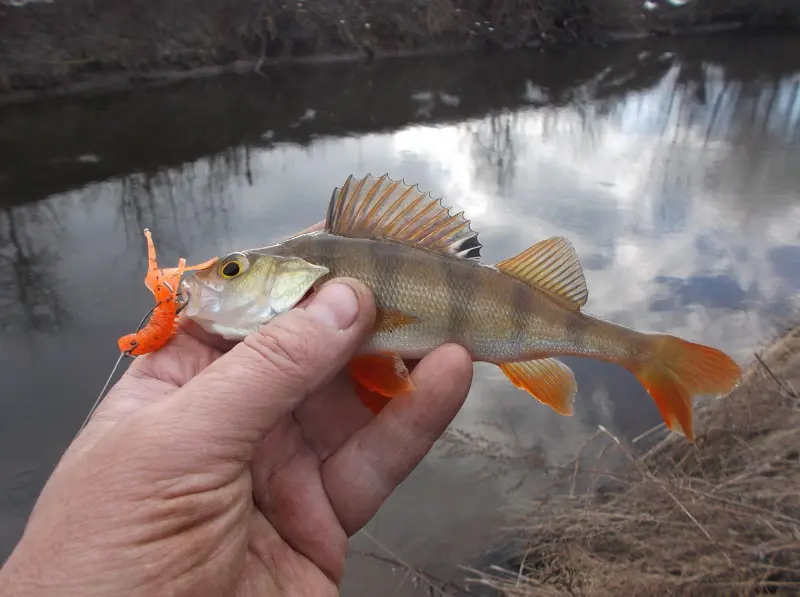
(377, 268)
(460, 290)
(519, 332)
(575, 331)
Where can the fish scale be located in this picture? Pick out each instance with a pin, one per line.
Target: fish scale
(414, 282)
(423, 266)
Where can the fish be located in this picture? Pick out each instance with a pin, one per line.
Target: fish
(424, 267)
(164, 285)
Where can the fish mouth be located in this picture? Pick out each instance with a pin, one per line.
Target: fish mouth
(196, 296)
(184, 292)
(183, 295)
(185, 287)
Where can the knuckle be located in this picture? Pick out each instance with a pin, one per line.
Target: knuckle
(287, 350)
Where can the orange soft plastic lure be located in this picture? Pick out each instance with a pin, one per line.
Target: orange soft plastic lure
(163, 323)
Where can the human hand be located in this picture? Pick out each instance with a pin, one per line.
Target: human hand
(239, 473)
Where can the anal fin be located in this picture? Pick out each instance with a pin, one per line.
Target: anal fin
(550, 381)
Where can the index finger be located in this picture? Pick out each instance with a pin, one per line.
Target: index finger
(362, 474)
(147, 380)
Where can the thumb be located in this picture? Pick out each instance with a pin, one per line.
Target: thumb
(233, 403)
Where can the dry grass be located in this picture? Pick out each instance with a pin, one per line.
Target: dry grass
(718, 518)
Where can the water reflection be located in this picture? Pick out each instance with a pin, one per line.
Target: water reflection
(712, 292)
(671, 168)
(28, 270)
(492, 142)
(158, 200)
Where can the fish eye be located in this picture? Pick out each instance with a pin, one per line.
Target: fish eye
(230, 269)
(232, 266)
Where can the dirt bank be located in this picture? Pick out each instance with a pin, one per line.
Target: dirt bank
(58, 46)
(721, 518)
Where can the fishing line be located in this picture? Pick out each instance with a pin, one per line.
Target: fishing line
(111, 376)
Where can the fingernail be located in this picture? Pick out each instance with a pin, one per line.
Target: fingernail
(335, 305)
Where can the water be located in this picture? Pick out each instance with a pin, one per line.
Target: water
(672, 166)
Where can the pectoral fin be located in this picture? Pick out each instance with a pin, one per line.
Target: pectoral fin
(548, 380)
(384, 373)
(370, 398)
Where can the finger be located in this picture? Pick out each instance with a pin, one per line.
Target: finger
(376, 459)
(147, 380)
(288, 490)
(228, 408)
(330, 416)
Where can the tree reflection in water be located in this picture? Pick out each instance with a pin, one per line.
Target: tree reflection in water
(191, 199)
(29, 295)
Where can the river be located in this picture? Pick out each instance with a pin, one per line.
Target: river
(671, 165)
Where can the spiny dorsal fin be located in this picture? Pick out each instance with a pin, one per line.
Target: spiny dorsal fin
(553, 266)
(383, 209)
(550, 381)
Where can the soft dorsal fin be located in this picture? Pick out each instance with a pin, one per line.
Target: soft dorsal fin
(551, 265)
(383, 209)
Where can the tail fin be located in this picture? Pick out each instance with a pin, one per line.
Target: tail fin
(677, 370)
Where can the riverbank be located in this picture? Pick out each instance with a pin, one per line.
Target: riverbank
(720, 518)
(57, 48)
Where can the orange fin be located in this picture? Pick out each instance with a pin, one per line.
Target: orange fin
(383, 209)
(385, 373)
(550, 381)
(387, 320)
(551, 265)
(369, 398)
(677, 370)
